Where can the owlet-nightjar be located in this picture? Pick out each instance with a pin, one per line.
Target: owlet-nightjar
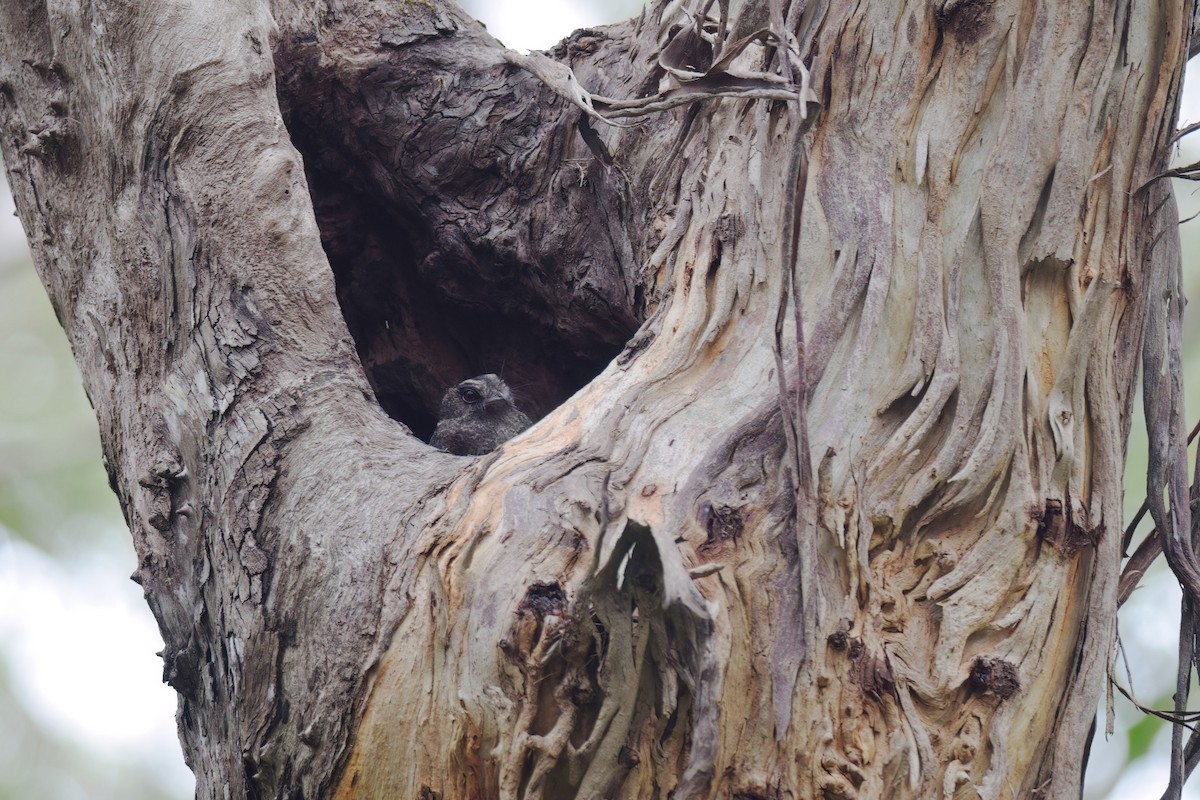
(477, 416)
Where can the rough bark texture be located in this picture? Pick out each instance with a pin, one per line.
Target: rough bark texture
(635, 597)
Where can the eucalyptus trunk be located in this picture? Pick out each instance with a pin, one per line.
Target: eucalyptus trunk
(824, 500)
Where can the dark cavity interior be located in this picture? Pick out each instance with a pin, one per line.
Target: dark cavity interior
(425, 315)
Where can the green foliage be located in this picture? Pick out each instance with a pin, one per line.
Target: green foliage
(1141, 736)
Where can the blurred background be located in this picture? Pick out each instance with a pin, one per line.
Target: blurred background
(83, 711)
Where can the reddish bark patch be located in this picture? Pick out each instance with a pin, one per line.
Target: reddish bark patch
(966, 20)
(756, 794)
(1057, 528)
(544, 599)
(868, 671)
(723, 523)
(994, 676)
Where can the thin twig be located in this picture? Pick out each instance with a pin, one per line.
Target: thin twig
(1184, 131)
(1148, 551)
(1141, 512)
(1187, 719)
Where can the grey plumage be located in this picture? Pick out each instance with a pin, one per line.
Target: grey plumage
(477, 416)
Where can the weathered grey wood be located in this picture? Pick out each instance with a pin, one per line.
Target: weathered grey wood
(630, 598)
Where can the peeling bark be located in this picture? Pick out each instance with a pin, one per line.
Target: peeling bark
(643, 594)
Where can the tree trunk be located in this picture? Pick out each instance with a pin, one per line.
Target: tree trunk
(860, 545)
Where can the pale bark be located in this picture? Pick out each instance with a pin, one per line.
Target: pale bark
(640, 595)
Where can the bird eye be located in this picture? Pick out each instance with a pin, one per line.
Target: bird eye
(469, 395)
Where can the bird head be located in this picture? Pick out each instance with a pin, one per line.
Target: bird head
(484, 394)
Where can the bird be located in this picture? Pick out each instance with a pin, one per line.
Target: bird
(477, 416)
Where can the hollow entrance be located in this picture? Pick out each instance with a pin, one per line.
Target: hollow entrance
(424, 315)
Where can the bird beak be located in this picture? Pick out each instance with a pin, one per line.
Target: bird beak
(494, 403)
